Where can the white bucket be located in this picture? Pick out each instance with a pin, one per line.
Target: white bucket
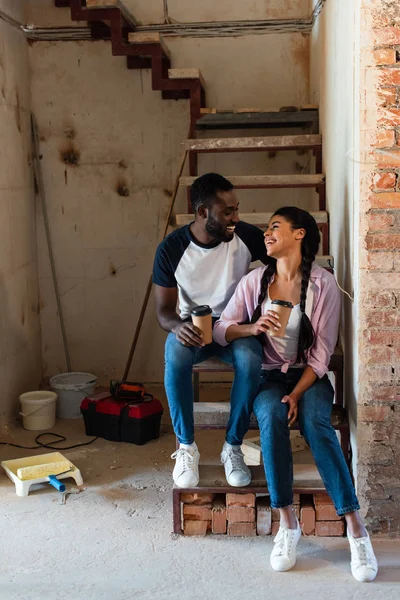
(38, 410)
(71, 389)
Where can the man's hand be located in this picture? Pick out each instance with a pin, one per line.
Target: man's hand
(188, 334)
(293, 409)
(268, 321)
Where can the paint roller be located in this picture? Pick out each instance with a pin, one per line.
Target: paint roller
(49, 470)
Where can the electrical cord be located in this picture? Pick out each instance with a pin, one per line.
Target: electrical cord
(60, 438)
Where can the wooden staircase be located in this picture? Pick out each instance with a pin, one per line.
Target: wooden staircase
(109, 19)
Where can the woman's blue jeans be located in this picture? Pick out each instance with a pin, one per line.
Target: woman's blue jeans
(244, 354)
(314, 418)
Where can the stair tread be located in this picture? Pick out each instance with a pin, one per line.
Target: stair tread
(148, 37)
(129, 18)
(251, 119)
(253, 181)
(325, 261)
(186, 73)
(280, 142)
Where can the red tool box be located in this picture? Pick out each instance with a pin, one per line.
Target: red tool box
(121, 420)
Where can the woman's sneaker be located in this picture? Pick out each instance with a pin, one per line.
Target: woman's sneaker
(237, 473)
(186, 470)
(283, 555)
(364, 565)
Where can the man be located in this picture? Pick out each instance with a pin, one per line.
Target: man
(202, 263)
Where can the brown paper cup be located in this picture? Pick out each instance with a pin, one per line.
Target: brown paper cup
(284, 315)
(202, 318)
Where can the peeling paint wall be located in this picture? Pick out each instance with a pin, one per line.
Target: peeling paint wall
(107, 210)
(20, 345)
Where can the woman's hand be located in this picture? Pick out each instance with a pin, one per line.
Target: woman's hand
(268, 321)
(292, 403)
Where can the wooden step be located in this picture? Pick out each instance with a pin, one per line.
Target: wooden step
(280, 142)
(129, 18)
(325, 261)
(252, 218)
(148, 37)
(215, 415)
(256, 119)
(186, 74)
(267, 181)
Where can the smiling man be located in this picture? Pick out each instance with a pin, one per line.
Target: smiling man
(202, 263)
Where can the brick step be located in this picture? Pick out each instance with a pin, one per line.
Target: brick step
(255, 218)
(246, 144)
(107, 4)
(147, 39)
(308, 180)
(256, 119)
(215, 415)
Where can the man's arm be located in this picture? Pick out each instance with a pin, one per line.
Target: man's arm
(167, 317)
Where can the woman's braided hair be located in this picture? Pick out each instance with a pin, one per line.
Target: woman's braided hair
(299, 219)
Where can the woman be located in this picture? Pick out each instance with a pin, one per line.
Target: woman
(294, 384)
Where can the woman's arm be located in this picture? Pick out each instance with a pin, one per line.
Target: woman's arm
(264, 323)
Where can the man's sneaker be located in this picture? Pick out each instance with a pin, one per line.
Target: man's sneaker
(283, 555)
(237, 473)
(186, 470)
(364, 565)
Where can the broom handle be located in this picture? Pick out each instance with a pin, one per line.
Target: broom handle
(150, 282)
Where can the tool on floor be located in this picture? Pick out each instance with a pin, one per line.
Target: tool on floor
(67, 493)
(47, 468)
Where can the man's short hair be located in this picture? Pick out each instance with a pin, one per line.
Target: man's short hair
(205, 189)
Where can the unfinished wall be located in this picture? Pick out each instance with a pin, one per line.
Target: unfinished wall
(126, 139)
(332, 86)
(379, 243)
(20, 347)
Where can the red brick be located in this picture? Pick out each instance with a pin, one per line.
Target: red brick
(385, 138)
(264, 516)
(380, 299)
(276, 515)
(218, 520)
(325, 512)
(242, 529)
(387, 337)
(274, 528)
(388, 96)
(381, 221)
(193, 512)
(389, 393)
(388, 117)
(197, 498)
(240, 514)
(385, 56)
(248, 500)
(380, 261)
(385, 199)
(387, 36)
(384, 181)
(391, 318)
(196, 527)
(322, 498)
(329, 528)
(382, 241)
(373, 414)
(389, 77)
(387, 159)
(378, 356)
(307, 516)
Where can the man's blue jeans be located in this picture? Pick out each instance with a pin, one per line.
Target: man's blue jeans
(314, 417)
(244, 354)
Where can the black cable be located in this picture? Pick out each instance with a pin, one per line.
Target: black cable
(60, 439)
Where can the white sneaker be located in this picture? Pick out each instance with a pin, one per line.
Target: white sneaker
(364, 565)
(237, 473)
(186, 470)
(283, 555)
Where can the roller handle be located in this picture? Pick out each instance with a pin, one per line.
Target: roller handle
(56, 483)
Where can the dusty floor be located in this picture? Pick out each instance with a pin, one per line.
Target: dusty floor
(114, 541)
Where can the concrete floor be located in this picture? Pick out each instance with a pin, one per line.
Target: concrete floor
(114, 542)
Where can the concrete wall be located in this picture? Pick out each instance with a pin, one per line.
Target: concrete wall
(86, 100)
(332, 86)
(20, 346)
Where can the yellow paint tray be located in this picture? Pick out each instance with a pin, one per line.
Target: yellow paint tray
(22, 486)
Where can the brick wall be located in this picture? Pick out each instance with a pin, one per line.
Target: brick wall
(379, 333)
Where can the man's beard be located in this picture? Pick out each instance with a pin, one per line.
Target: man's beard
(217, 231)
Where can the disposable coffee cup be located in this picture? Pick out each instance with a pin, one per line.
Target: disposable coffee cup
(201, 317)
(283, 309)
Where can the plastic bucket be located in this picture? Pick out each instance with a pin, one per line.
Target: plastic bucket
(71, 389)
(38, 410)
